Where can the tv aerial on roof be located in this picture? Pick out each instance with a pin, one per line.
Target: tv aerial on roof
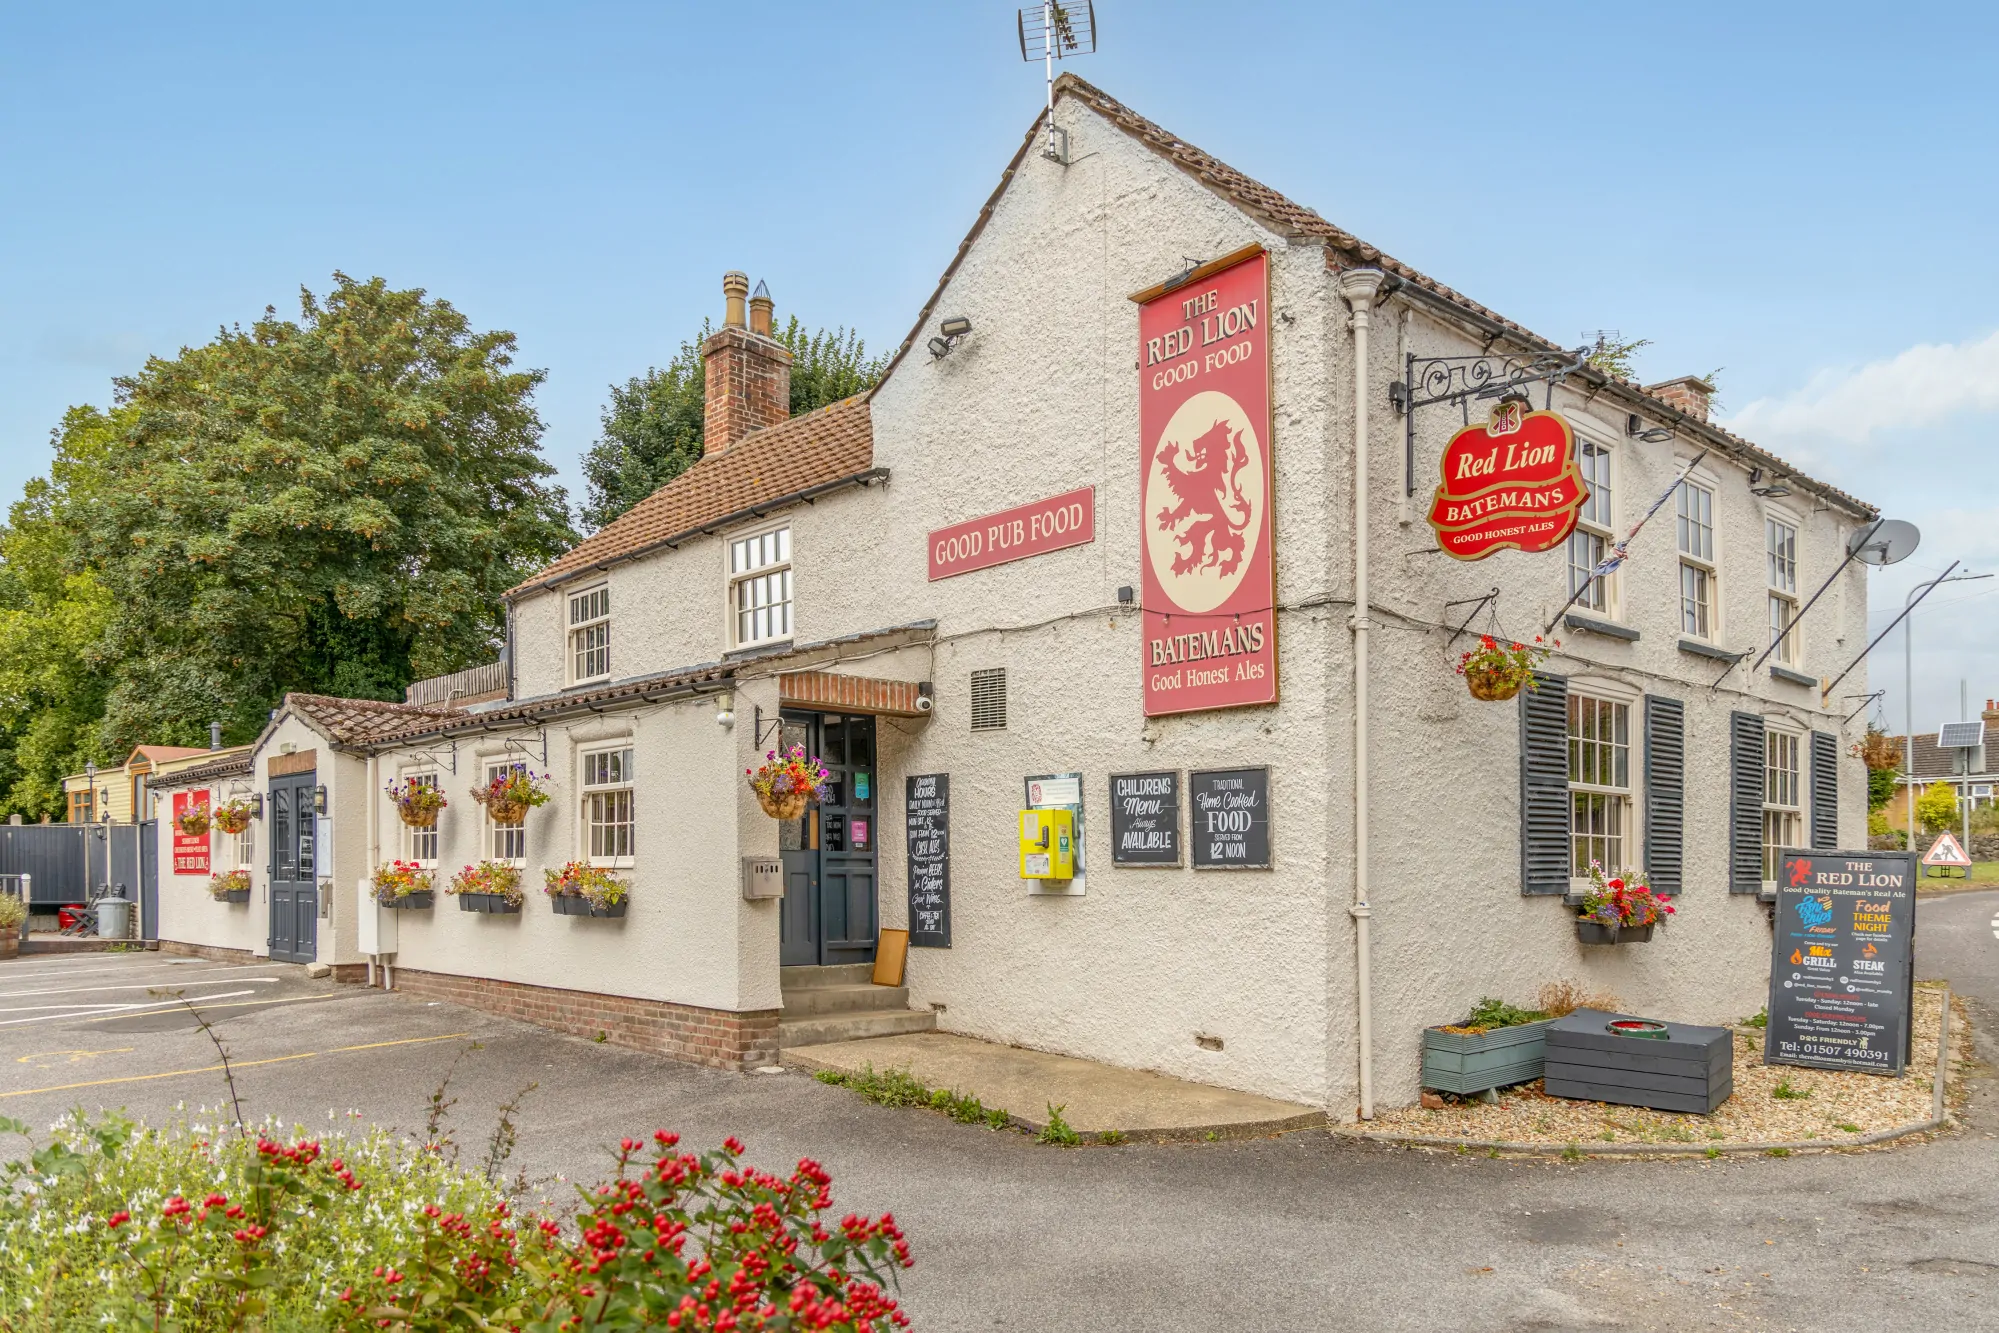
(1887, 542)
(1049, 32)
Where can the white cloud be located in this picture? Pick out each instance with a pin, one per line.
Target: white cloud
(1921, 386)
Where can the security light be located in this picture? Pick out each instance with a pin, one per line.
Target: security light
(725, 709)
(955, 327)
(1634, 426)
(1774, 488)
(938, 347)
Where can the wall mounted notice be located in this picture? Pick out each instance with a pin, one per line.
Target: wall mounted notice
(190, 853)
(1843, 961)
(927, 813)
(1204, 483)
(1059, 791)
(1228, 815)
(1145, 819)
(1036, 528)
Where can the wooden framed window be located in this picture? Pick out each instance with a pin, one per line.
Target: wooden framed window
(506, 841)
(589, 635)
(1781, 555)
(1694, 525)
(81, 809)
(610, 831)
(1592, 539)
(760, 587)
(1783, 798)
(1599, 737)
(246, 846)
(420, 844)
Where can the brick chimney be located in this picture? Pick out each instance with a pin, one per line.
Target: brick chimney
(748, 372)
(1688, 393)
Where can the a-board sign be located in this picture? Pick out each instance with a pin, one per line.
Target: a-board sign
(1946, 851)
(1842, 961)
(1145, 819)
(1060, 791)
(927, 815)
(1228, 818)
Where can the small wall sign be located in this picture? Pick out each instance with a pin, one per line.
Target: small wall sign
(927, 817)
(1229, 818)
(1036, 528)
(1842, 961)
(1508, 483)
(1145, 819)
(190, 853)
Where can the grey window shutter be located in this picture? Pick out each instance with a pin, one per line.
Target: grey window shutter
(1745, 803)
(1825, 791)
(1544, 785)
(1665, 792)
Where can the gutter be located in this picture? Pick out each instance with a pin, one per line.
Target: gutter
(755, 511)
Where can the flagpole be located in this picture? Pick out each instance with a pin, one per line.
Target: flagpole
(1621, 549)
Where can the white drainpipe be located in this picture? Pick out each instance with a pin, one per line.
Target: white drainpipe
(1359, 286)
(374, 846)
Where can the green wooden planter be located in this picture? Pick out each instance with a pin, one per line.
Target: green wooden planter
(1455, 1063)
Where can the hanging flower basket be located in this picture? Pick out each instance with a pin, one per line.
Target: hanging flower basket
(511, 794)
(1619, 909)
(231, 886)
(194, 821)
(1496, 671)
(581, 889)
(232, 817)
(494, 880)
(403, 884)
(417, 802)
(786, 782)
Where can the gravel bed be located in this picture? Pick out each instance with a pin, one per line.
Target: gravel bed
(1825, 1106)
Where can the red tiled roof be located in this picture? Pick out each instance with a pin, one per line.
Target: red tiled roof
(814, 450)
(358, 721)
(162, 753)
(229, 766)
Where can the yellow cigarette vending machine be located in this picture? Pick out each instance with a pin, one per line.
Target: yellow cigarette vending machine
(1047, 844)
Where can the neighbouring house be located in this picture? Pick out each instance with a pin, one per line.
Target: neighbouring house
(1972, 772)
(123, 795)
(1018, 615)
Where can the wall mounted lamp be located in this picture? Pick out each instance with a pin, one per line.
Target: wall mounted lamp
(256, 805)
(952, 329)
(319, 800)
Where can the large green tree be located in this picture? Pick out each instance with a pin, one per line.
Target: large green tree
(652, 426)
(332, 505)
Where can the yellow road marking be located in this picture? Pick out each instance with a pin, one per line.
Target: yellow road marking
(74, 1056)
(233, 1004)
(234, 1064)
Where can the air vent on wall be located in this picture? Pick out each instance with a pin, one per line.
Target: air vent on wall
(989, 699)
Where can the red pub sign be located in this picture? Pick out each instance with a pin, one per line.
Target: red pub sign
(1047, 525)
(1209, 572)
(1508, 483)
(190, 853)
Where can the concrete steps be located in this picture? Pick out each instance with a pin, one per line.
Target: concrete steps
(826, 1004)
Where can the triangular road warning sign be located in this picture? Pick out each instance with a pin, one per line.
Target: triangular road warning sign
(1946, 851)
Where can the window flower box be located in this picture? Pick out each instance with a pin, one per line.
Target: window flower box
(581, 889)
(1619, 909)
(490, 886)
(1468, 1057)
(404, 884)
(231, 886)
(1596, 932)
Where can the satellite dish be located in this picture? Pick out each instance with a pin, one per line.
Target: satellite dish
(1888, 542)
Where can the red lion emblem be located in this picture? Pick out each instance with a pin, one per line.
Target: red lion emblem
(1800, 872)
(1211, 515)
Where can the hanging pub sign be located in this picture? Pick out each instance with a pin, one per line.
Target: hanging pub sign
(1204, 483)
(1508, 483)
(1842, 961)
(927, 817)
(1145, 819)
(190, 851)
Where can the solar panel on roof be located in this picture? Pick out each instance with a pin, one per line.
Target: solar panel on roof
(1961, 736)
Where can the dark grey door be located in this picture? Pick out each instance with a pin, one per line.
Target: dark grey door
(149, 880)
(294, 888)
(828, 913)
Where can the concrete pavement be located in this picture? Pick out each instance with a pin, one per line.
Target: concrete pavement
(1301, 1231)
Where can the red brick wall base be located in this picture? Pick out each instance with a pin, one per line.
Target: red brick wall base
(221, 954)
(717, 1038)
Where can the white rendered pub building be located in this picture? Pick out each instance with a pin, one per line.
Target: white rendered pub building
(1146, 542)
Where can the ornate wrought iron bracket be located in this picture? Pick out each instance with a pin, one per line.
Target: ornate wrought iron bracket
(765, 729)
(1429, 380)
(448, 759)
(1477, 604)
(530, 747)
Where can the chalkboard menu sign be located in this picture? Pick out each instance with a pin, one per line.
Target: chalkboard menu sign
(1843, 961)
(1229, 818)
(927, 814)
(1145, 819)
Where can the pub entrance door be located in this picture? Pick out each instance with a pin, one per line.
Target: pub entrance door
(294, 865)
(828, 913)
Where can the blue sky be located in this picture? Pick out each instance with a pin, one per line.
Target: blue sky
(1800, 194)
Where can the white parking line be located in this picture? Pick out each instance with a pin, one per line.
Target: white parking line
(39, 973)
(1995, 926)
(92, 1010)
(72, 990)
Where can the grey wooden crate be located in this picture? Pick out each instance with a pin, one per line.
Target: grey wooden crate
(1692, 1069)
(1459, 1063)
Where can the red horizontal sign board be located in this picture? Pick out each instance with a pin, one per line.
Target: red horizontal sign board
(1036, 528)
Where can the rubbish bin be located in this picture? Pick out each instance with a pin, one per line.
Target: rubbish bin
(114, 918)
